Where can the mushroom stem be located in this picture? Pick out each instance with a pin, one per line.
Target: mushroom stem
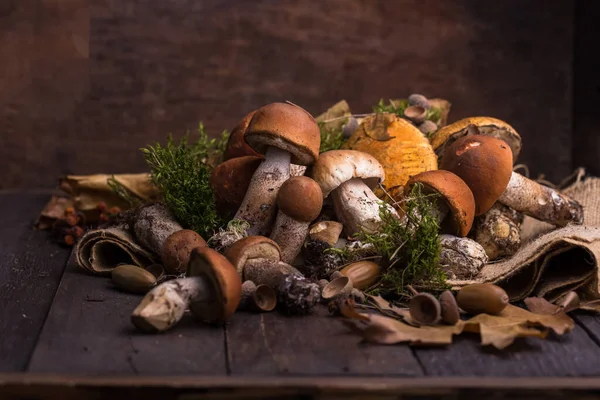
(267, 272)
(153, 224)
(356, 206)
(290, 235)
(498, 231)
(258, 207)
(540, 202)
(164, 306)
(461, 257)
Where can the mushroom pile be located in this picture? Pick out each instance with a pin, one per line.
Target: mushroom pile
(297, 205)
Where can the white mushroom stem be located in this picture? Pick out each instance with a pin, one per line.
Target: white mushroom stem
(541, 202)
(356, 206)
(290, 235)
(153, 224)
(498, 232)
(164, 306)
(259, 205)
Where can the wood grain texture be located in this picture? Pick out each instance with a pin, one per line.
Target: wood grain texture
(572, 355)
(30, 270)
(150, 68)
(88, 332)
(319, 345)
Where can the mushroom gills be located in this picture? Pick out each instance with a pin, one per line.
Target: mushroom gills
(258, 207)
(357, 207)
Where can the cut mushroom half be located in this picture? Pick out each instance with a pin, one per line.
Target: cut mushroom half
(349, 177)
(211, 291)
(485, 164)
(285, 134)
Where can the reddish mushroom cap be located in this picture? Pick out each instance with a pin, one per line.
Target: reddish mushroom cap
(236, 145)
(300, 198)
(484, 163)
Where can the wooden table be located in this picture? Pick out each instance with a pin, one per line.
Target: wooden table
(64, 333)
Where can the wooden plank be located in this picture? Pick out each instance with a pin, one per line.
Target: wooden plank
(273, 344)
(590, 322)
(88, 331)
(574, 354)
(585, 87)
(30, 270)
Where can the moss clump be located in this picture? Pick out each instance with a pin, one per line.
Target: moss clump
(398, 106)
(181, 170)
(409, 249)
(331, 138)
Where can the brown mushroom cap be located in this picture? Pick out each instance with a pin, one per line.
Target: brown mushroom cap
(229, 182)
(176, 250)
(236, 145)
(487, 126)
(252, 247)
(335, 167)
(222, 278)
(287, 127)
(457, 195)
(484, 163)
(300, 198)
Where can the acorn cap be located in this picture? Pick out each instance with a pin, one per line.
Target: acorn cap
(287, 127)
(222, 279)
(300, 198)
(236, 145)
(252, 247)
(230, 180)
(176, 250)
(487, 126)
(335, 167)
(484, 163)
(415, 113)
(455, 193)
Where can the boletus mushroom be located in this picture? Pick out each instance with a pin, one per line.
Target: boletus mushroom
(153, 224)
(485, 164)
(285, 134)
(461, 257)
(212, 291)
(498, 231)
(299, 202)
(252, 247)
(176, 250)
(349, 177)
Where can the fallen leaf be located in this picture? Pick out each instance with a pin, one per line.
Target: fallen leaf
(376, 126)
(347, 310)
(539, 305)
(53, 210)
(387, 308)
(593, 305)
(333, 118)
(559, 322)
(499, 331)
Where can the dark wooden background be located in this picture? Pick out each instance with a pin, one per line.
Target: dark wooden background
(85, 83)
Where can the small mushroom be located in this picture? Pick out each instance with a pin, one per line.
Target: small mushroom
(498, 231)
(416, 114)
(363, 274)
(211, 290)
(252, 247)
(341, 286)
(425, 309)
(285, 134)
(427, 127)
(416, 99)
(349, 176)
(485, 164)
(175, 253)
(455, 205)
(261, 298)
(299, 202)
(450, 311)
(461, 257)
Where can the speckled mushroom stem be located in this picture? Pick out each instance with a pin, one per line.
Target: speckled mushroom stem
(164, 306)
(498, 231)
(258, 207)
(290, 232)
(153, 224)
(357, 206)
(541, 202)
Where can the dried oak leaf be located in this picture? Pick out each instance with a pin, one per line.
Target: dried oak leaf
(545, 314)
(389, 309)
(377, 126)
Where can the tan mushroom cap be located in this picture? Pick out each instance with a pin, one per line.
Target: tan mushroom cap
(407, 152)
(222, 278)
(487, 126)
(252, 247)
(335, 167)
(455, 193)
(236, 145)
(484, 163)
(230, 180)
(176, 250)
(300, 198)
(287, 127)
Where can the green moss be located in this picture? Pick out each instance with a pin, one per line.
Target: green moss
(398, 106)
(181, 170)
(331, 138)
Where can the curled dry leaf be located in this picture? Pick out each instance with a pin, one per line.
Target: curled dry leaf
(499, 331)
(377, 126)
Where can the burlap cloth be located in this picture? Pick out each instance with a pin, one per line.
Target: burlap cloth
(553, 261)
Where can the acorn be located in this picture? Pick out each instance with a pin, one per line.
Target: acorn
(482, 298)
(425, 309)
(362, 274)
(133, 279)
(450, 312)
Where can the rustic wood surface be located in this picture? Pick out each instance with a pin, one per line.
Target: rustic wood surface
(87, 83)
